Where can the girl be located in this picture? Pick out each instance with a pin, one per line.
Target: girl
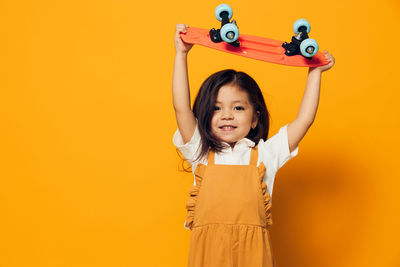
(224, 138)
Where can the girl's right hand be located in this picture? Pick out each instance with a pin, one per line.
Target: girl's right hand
(180, 45)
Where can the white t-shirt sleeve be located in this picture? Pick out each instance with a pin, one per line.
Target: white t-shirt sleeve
(191, 149)
(275, 151)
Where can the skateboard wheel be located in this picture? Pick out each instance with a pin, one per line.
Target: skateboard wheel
(221, 8)
(308, 47)
(299, 23)
(229, 32)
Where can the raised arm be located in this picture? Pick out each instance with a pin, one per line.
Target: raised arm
(298, 128)
(180, 87)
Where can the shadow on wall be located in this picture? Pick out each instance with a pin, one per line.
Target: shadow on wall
(322, 211)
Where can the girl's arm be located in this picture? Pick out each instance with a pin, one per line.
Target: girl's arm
(297, 129)
(180, 87)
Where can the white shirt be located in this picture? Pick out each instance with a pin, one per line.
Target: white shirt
(274, 153)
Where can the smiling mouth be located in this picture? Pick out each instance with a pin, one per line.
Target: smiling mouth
(227, 128)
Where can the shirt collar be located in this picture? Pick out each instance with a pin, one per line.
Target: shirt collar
(241, 144)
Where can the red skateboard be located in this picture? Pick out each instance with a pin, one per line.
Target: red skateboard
(301, 52)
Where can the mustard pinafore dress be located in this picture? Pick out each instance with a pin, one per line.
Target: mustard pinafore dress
(228, 212)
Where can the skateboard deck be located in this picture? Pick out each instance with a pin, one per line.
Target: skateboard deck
(255, 47)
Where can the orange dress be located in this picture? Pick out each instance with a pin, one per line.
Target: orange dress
(228, 212)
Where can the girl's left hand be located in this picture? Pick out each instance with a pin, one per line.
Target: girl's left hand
(331, 60)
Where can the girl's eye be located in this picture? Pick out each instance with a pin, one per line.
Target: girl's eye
(237, 108)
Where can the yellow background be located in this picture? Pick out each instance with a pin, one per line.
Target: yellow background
(88, 172)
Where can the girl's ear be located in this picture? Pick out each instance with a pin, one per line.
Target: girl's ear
(255, 120)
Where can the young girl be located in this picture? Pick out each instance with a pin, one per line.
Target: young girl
(224, 138)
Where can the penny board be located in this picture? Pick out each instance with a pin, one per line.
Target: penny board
(255, 47)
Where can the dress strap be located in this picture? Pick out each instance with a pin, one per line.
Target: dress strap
(211, 157)
(254, 156)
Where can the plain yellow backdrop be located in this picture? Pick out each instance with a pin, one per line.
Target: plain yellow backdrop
(88, 172)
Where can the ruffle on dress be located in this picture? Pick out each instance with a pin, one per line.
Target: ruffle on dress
(267, 196)
(193, 192)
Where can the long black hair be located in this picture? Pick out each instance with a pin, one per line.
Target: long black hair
(203, 108)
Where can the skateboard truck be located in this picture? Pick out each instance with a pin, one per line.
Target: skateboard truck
(301, 44)
(229, 31)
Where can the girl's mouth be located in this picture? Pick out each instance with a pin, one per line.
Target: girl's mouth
(227, 128)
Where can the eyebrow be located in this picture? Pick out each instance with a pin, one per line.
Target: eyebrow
(236, 101)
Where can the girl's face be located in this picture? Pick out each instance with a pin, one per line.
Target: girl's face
(233, 115)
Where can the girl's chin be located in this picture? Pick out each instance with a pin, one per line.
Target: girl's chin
(229, 141)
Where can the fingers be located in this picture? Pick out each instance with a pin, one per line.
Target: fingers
(329, 57)
(180, 27)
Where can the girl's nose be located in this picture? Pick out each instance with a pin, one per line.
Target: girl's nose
(227, 114)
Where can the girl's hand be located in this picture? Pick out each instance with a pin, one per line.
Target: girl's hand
(180, 45)
(331, 60)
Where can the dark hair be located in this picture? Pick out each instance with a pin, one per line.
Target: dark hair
(203, 108)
